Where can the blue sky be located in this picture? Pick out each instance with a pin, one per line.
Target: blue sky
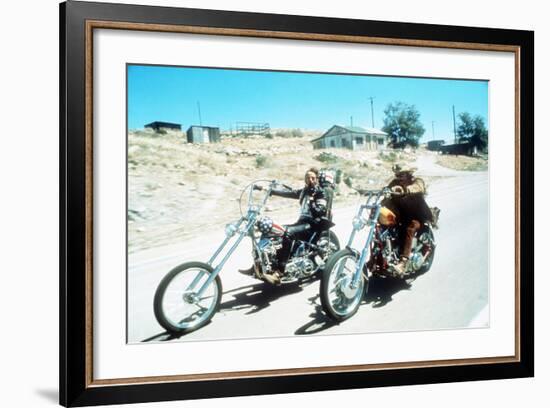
(292, 99)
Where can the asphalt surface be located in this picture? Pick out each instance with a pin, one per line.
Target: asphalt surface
(453, 294)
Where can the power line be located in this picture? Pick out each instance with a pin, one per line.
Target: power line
(372, 109)
(200, 118)
(454, 123)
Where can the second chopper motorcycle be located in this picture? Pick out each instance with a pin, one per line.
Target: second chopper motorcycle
(345, 279)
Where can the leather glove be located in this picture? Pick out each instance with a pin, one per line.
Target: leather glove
(398, 190)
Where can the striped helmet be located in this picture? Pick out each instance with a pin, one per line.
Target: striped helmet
(326, 178)
(265, 224)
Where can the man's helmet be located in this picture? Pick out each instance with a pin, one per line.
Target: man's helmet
(326, 178)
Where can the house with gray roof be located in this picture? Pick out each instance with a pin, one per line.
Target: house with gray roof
(352, 137)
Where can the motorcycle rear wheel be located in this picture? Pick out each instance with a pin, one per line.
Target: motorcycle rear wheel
(429, 260)
(330, 243)
(176, 305)
(339, 300)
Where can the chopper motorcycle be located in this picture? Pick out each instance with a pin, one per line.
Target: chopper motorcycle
(345, 279)
(189, 295)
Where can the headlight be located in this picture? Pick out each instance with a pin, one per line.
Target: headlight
(230, 229)
(358, 223)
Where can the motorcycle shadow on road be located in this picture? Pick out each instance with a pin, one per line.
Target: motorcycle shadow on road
(381, 290)
(259, 296)
(319, 320)
(380, 293)
(255, 297)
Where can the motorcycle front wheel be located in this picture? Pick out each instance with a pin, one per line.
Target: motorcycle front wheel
(339, 299)
(177, 306)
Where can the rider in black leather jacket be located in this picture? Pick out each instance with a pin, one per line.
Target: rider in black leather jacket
(316, 203)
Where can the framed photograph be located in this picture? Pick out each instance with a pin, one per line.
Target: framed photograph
(258, 204)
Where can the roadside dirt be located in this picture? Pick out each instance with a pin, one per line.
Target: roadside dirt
(463, 163)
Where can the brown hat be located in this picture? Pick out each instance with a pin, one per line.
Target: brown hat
(403, 168)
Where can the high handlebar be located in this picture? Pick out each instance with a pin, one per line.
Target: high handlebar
(256, 185)
(386, 191)
(273, 184)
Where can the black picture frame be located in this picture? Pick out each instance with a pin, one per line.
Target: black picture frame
(77, 386)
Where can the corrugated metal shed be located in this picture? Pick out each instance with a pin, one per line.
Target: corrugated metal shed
(203, 134)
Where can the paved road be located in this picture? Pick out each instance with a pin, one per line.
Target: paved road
(453, 294)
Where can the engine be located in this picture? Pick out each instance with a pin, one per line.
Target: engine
(389, 240)
(268, 247)
(384, 250)
(299, 267)
(387, 247)
(300, 264)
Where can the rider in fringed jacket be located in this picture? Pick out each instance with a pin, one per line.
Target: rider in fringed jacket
(409, 207)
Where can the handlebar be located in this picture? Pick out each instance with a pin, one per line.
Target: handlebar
(274, 183)
(256, 186)
(386, 191)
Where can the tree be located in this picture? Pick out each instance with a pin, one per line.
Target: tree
(402, 123)
(472, 129)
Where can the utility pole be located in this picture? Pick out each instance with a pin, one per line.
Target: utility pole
(371, 109)
(351, 121)
(200, 118)
(454, 123)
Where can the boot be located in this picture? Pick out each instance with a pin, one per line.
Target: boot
(273, 278)
(401, 267)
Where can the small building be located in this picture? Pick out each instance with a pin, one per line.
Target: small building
(462, 148)
(203, 134)
(434, 145)
(156, 126)
(352, 137)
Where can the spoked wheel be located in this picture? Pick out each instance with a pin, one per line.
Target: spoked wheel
(340, 300)
(329, 244)
(430, 258)
(178, 306)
